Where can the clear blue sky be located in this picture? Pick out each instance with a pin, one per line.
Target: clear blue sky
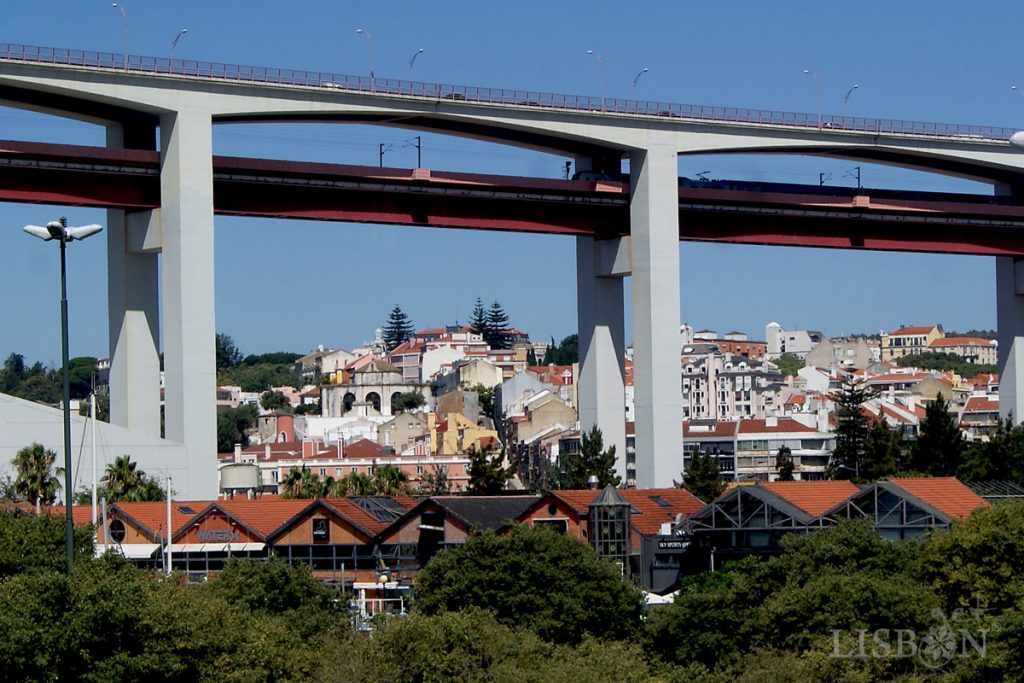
(292, 285)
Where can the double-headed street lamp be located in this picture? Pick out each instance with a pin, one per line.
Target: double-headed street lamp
(59, 230)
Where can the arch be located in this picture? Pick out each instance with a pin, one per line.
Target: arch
(373, 398)
(394, 402)
(347, 401)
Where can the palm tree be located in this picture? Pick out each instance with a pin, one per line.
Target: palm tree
(122, 479)
(291, 485)
(35, 482)
(390, 481)
(354, 484)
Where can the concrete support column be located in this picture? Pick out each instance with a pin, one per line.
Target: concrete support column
(1010, 324)
(186, 190)
(654, 228)
(133, 309)
(601, 325)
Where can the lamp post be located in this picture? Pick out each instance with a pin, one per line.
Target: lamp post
(846, 97)
(124, 30)
(369, 39)
(412, 60)
(817, 91)
(637, 78)
(174, 43)
(59, 230)
(600, 64)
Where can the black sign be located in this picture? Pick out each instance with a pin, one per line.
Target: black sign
(673, 545)
(321, 530)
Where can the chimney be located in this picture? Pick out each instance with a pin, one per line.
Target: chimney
(771, 421)
(266, 451)
(340, 444)
(308, 449)
(238, 452)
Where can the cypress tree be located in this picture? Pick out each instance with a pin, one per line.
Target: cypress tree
(497, 325)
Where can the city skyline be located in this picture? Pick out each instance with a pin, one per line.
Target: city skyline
(289, 285)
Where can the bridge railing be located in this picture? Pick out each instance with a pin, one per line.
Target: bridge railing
(526, 98)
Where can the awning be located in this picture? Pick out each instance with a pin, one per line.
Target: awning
(217, 547)
(133, 551)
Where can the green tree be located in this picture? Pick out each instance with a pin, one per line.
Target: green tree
(435, 482)
(488, 474)
(124, 481)
(999, 458)
(789, 363)
(939, 448)
(228, 355)
(35, 476)
(553, 584)
(13, 372)
(496, 333)
(784, 461)
(478, 319)
(883, 452)
(389, 480)
(408, 400)
(485, 396)
(232, 425)
(398, 328)
(703, 478)
(43, 388)
(82, 372)
(566, 353)
(102, 408)
(354, 484)
(947, 362)
(275, 401)
(575, 469)
(852, 428)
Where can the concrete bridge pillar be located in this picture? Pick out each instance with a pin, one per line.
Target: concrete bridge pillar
(190, 378)
(133, 305)
(1010, 324)
(601, 324)
(654, 227)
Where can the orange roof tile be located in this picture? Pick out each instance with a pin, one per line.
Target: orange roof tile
(961, 341)
(650, 514)
(152, 516)
(783, 424)
(813, 497)
(919, 329)
(262, 516)
(981, 404)
(946, 494)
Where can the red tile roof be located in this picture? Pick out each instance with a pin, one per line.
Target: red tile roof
(263, 517)
(961, 341)
(981, 404)
(783, 424)
(946, 494)
(153, 516)
(718, 429)
(650, 514)
(919, 329)
(813, 497)
(361, 449)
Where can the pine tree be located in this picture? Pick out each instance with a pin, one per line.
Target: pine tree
(851, 430)
(575, 469)
(939, 448)
(704, 477)
(784, 461)
(496, 333)
(398, 329)
(882, 452)
(487, 472)
(478, 320)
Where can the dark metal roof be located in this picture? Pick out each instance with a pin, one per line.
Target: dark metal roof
(482, 513)
(609, 497)
(993, 491)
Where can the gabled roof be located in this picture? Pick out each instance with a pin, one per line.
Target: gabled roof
(362, 449)
(475, 513)
(948, 495)
(261, 517)
(650, 507)
(813, 497)
(151, 517)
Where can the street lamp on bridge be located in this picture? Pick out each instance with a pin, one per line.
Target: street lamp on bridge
(637, 78)
(600, 64)
(412, 61)
(373, 76)
(846, 97)
(817, 91)
(59, 230)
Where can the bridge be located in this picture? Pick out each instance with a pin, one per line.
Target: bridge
(166, 211)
